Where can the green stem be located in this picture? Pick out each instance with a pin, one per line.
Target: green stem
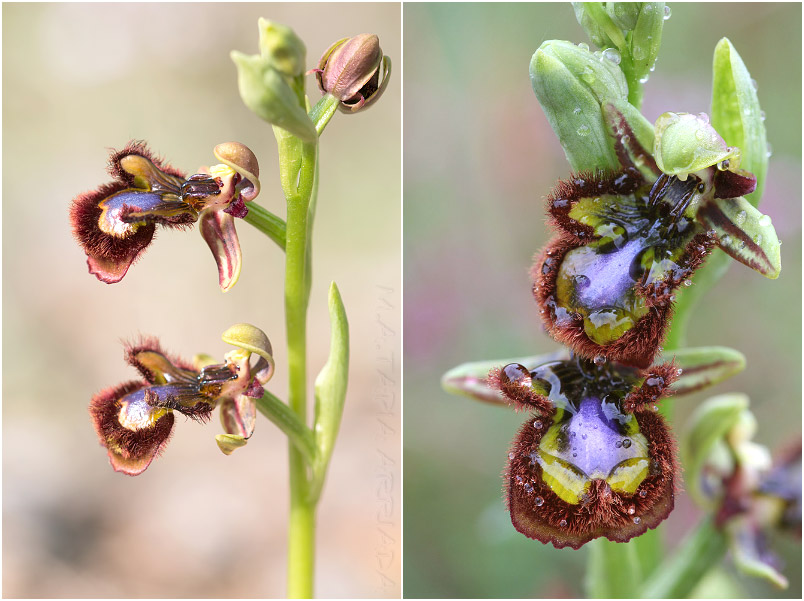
(702, 550)
(614, 570)
(287, 421)
(297, 170)
(269, 224)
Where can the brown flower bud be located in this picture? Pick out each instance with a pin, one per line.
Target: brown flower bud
(350, 71)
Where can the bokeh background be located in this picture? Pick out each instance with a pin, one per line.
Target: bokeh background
(479, 158)
(79, 79)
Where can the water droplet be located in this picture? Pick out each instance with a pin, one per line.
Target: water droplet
(581, 281)
(626, 443)
(528, 488)
(583, 130)
(667, 12)
(519, 479)
(723, 165)
(672, 298)
(654, 382)
(764, 221)
(583, 46)
(599, 359)
(577, 110)
(700, 135)
(769, 150)
(643, 493)
(511, 455)
(762, 115)
(758, 239)
(575, 454)
(644, 79)
(648, 8)
(612, 54)
(740, 218)
(618, 444)
(754, 84)
(539, 501)
(631, 510)
(679, 371)
(537, 424)
(747, 111)
(687, 282)
(514, 372)
(655, 408)
(637, 520)
(562, 523)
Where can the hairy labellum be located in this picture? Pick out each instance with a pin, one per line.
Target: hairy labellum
(595, 458)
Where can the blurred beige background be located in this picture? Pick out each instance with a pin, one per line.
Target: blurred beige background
(79, 79)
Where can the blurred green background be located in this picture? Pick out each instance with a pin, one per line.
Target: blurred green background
(479, 158)
(79, 79)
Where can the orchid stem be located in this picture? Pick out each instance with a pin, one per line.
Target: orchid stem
(269, 224)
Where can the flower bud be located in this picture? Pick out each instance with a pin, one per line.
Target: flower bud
(266, 92)
(647, 37)
(282, 48)
(350, 71)
(594, 29)
(571, 84)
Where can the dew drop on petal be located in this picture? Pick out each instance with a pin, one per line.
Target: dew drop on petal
(637, 520)
(528, 488)
(762, 115)
(583, 46)
(537, 424)
(754, 84)
(631, 510)
(769, 150)
(562, 523)
(539, 501)
(739, 219)
(643, 493)
(679, 371)
(599, 359)
(612, 54)
(626, 443)
(511, 455)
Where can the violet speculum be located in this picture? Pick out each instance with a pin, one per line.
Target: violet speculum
(594, 458)
(627, 240)
(116, 222)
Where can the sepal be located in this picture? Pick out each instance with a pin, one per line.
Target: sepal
(702, 367)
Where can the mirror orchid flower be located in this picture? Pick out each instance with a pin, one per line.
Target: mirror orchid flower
(627, 240)
(134, 420)
(116, 222)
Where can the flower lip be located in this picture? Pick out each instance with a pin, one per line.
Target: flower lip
(594, 459)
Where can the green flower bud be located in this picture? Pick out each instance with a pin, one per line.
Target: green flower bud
(736, 113)
(572, 84)
(591, 23)
(685, 143)
(624, 14)
(266, 92)
(282, 48)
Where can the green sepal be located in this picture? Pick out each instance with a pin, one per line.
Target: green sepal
(267, 93)
(744, 234)
(709, 426)
(736, 113)
(646, 38)
(469, 379)
(624, 14)
(249, 338)
(596, 28)
(330, 388)
(228, 443)
(572, 84)
(705, 366)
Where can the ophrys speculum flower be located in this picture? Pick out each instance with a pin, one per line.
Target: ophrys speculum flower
(116, 222)
(595, 458)
(628, 239)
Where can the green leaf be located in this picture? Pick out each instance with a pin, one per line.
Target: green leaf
(572, 84)
(469, 379)
(736, 113)
(702, 367)
(330, 389)
(744, 234)
(709, 425)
